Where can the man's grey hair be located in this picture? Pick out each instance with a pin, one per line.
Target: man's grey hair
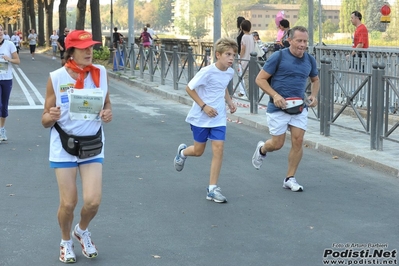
(296, 28)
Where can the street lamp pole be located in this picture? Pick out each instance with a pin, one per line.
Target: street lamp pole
(111, 41)
(112, 26)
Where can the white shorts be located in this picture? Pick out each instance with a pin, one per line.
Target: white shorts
(279, 121)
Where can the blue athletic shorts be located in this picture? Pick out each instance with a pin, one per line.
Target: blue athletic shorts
(74, 164)
(202, 134)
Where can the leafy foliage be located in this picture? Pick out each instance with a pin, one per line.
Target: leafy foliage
(102, 54)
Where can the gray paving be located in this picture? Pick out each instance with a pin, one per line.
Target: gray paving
(152, 215)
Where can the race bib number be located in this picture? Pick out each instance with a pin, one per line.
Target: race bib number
(85, 104)
(3, 66)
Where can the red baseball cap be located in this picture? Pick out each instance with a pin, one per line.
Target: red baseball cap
(79, 39)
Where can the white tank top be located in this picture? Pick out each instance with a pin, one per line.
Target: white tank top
(62, 81)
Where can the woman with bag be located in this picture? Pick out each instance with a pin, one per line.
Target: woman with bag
(77, 117)
(258, 47)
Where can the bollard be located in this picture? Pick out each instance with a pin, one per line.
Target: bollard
(329, 107)
(175, 69)
(190, 63)
(380, 106)
(253, 89)
(374, 110)
(323, 89)
(163, 64)
(142, 60)
(151, 62)
(207, 56)
(326, 106)
(132, 59)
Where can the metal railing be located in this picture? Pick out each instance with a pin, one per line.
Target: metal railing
(366, 85)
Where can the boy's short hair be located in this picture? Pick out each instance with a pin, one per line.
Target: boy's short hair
(246, 25)
(223, 44)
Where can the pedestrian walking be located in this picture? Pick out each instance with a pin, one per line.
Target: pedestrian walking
(207, 116)
(32, 37)
(77, 138)
(8, 56)
(53, 40)
(16, 40)
(61, 45)
(286, 110)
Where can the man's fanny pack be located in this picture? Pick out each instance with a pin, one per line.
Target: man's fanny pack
(294, 105)
(81, 146)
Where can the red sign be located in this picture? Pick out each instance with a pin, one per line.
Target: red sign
(385, 10)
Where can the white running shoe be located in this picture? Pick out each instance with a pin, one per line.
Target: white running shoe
(67, 255)
(215, 195)
(179, 161)
(257, 158)
(88, 248)
(292, 184)
(3, 135)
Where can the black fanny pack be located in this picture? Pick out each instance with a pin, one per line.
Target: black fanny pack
(294, 110)
(81, 146)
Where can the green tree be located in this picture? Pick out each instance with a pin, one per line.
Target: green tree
(163, 10)
(199, 12)
(392, 32)
(373, 15)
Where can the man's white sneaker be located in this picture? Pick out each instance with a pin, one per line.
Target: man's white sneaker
(257, 158)
(67, 255)
(88, 248)
(292, 184)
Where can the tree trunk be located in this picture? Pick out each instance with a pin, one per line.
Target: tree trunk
(49, 4)
(80, 14)
(25, 20)
(41, 33)
(62, 13)
(32, 15)
(96, 22)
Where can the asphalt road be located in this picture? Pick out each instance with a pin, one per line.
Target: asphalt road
(152, 215)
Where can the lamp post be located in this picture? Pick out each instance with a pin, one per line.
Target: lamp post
(112, 22)
(111, 41)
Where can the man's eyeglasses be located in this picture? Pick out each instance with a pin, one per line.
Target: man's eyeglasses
(66, 31)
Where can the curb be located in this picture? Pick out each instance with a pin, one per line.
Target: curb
(355, 158)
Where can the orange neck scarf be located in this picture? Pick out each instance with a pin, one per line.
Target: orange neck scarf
(94, 71)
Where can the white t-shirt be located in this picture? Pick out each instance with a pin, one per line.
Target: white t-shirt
(7, 49)
(32, 38)
(249, 43)
(152, 33)
(53, 39)
(6, 37)
(210, 83)
(61, 82)
(16, 40)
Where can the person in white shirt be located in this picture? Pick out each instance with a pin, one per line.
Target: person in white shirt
(8, 56)
(54, 44)
(207, 117)
(78, 74)
(32, 37)
(16, 40)
(247, 47)
(6, 36)
(152, 33)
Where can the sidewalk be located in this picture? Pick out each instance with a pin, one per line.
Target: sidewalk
(343, 144)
